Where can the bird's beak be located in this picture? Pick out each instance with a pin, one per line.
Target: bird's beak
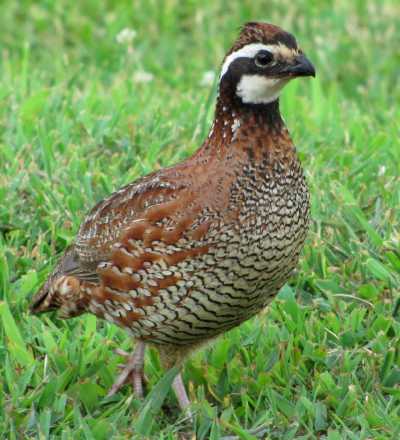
(300, 67)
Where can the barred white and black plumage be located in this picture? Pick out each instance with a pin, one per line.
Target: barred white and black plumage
(192, 251)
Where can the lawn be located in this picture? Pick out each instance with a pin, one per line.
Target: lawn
(87, 107)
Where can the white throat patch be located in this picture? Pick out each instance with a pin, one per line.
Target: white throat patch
(257, 89)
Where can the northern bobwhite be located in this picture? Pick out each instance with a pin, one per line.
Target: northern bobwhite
(191, 251)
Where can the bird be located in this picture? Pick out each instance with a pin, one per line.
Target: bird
(188, 252)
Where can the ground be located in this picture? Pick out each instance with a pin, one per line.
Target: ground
(95, 94)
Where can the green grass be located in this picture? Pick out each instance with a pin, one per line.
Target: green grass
(324, 360)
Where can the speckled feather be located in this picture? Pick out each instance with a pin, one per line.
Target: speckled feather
(191, 251)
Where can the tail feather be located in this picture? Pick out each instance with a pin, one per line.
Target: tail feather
(41, 302)
(59, 291)
(45, 299)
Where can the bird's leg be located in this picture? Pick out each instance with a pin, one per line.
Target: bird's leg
(133, 368)
(136, 376)
(181, 395)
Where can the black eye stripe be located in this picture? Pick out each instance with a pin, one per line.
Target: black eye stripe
(263, 57)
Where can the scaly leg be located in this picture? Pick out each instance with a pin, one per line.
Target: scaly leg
(134, 368)
(181, 395)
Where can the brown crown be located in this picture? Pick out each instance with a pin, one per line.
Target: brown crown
(258, 32)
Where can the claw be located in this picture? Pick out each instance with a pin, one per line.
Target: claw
(132, 372)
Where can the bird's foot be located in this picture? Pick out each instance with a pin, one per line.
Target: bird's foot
(132, 371)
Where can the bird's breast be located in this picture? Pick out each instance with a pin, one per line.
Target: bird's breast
(221, 269)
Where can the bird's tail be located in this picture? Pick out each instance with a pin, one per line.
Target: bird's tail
(64, 294)
(42, 301)
(62, 289)
(45, 300)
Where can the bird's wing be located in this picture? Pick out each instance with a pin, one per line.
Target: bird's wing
(172, 195)
(110, 218)
(106, 223)
(163, 207)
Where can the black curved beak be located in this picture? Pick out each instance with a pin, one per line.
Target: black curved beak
(301, 67)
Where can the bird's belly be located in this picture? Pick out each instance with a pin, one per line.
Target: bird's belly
(196, 290)
(222, 288)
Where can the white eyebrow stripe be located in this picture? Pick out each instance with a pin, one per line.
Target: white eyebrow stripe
(248, 51)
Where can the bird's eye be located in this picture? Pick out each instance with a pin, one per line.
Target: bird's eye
(263, 58)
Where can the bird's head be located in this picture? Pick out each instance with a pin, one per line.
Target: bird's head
(261, 62)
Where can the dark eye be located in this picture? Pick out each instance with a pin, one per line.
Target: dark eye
(263, 58)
